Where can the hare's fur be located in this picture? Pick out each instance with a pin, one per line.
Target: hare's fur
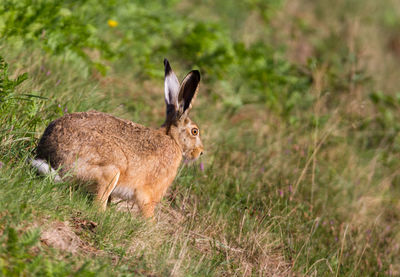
(123, 158)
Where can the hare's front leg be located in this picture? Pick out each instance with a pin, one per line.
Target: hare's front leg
(147, 197)
(106, 183)
(148, 209)
(144, 199)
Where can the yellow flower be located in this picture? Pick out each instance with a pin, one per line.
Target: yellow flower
(112, 23)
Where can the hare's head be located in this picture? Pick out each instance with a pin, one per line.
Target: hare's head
(179, 98)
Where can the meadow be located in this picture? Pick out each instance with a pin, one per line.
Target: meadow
(299, 112)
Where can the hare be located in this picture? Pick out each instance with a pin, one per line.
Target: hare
(119, 157)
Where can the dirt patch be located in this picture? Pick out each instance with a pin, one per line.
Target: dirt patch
(61, 235)
(81, 225)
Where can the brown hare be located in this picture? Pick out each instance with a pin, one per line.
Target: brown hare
(123, 158)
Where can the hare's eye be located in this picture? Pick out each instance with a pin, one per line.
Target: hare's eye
(195, 131)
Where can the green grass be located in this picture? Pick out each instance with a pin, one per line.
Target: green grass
(299, 118)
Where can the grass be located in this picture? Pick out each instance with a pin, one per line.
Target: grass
(181, 237)
(299, 178)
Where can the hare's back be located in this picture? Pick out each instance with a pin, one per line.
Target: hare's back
(97, 138)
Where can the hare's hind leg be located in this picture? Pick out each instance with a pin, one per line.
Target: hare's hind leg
(106, 183)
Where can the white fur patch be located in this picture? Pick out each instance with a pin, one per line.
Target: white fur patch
(44, 168)
(123, 192)
(171, 89)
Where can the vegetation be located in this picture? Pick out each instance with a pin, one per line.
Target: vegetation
(299, 110)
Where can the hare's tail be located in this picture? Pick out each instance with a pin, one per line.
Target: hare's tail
(44, 168)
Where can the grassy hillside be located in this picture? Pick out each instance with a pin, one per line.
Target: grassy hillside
(299, 110)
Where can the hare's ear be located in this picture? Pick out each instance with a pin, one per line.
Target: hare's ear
(171, 90)
(187, 92)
